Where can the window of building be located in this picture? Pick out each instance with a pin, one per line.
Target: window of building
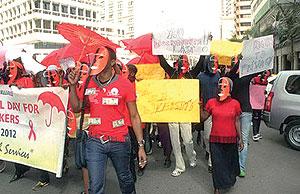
(123, 32)
(94, 15)
(80, 12)
(37, 4)
(246, 24)
(55, 7)
(46, 5)
(245, 15)
(88, 27)
(245, 7)
(47, 24)
(73, 10)
(119, 31)
(102, 29)
(88, 13)
(64, 9)
(130, 3)
(293, 84)
(119, 5)
(55, 25)
(108, 30)
(110, 16)
(38, 23)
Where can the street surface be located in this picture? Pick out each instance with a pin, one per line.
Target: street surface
(273, 168)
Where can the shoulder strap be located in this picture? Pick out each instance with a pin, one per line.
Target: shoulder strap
(83, 106)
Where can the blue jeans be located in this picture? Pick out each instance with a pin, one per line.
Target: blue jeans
(97, 155)
(245, 119)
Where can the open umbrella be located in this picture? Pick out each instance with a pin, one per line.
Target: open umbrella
(52, 58)
(84, 38)
(140, 45)
(54, 101)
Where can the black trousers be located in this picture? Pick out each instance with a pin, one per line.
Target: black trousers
(256, 120)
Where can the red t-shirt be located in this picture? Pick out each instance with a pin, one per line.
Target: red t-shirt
(108, 108)
(223, 119)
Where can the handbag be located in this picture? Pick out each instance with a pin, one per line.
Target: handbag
(81, 136)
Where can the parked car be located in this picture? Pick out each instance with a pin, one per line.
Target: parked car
(282, 107)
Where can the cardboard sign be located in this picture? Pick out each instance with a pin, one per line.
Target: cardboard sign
(175, 41)
(258, 55)
(168, 100)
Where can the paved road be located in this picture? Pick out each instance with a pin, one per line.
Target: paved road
(273, 168)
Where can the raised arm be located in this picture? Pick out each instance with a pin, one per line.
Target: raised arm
(164, 64)
(198, 68)
(73, 78)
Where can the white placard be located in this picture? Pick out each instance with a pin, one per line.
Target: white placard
(258, 54)
(175, 41)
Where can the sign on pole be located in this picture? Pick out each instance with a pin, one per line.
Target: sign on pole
(175, 41)
(33, 126)
(258, 54)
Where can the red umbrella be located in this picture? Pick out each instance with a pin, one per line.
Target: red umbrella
(144, 59)
(52, 58)
(140, 45)
(126, 41)
(83, 37)
(69, 51)
(54, 101)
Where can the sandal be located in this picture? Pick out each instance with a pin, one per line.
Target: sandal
(176, 173)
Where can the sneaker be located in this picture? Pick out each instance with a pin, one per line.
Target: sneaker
(255, 137)
(40, 185)
(2, 165)
(176, 173)
(242, 174)
(193, 164)
(259, 136)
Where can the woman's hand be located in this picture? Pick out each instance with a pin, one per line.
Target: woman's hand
(241, 145)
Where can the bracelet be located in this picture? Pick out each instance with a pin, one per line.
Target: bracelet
(141, 143)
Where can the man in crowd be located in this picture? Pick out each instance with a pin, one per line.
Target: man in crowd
(108, 94)
(209, 89)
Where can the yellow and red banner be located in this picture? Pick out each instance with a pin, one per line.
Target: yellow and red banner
(168, 100)
(33, 126)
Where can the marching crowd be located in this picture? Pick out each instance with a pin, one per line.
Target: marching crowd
(109, 124)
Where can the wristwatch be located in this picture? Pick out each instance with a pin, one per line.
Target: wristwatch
(141, 143)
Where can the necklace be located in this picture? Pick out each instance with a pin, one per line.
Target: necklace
(103, 84)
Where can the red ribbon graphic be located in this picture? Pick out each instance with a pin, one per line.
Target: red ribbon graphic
(31, 131)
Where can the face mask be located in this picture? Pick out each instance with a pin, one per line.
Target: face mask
(101, 60)
(223, 89)
(84, 72)
(52, 77)
(182, 65)
(12, 69)
(213, 64)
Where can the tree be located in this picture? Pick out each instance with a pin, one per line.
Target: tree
(287, 25)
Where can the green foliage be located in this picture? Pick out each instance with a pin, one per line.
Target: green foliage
(287, 27)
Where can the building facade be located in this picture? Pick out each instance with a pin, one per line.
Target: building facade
(243, 18)
(33, 22)
(227, 19)
(118, 12)
(287, 56)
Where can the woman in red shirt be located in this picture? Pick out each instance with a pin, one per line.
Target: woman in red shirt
(225, 135)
